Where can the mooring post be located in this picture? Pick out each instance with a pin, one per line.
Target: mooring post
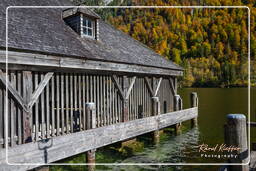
(236, 137)
(177, 106)
(194, 103)
(156, 110)
(91, 123)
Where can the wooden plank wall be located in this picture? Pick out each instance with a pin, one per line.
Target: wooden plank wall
(60, 108)
(165, 97)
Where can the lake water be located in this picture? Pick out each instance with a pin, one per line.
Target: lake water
(214, 105)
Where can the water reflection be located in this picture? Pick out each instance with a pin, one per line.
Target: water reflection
(175, 149)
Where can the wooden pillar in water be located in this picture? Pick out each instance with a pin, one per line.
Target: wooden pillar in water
(156, 111)
(27, 115)
(91, 123)
(236, 136)
(194, 103)
(177, 106)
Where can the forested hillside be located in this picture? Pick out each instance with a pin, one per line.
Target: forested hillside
(211, 44)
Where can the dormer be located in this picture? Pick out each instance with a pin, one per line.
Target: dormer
(83, 21)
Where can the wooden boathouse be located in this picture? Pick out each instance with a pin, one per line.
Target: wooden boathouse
(74, 83)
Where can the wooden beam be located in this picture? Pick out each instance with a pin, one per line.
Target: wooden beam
(120, 91)
(125, 101)
(72, 144)
(158, 86)
(14, 93)
(40, 89)
(149, 86)
(27, 116)
(130, 87)
(39, 62)
(172, 86)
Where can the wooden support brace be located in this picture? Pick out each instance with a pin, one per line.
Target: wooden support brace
(14, 93)
(172, 86)
(149, 86)
(40, 89)
(158, 86)
(130, 87)
(116, 83)
(153, 90)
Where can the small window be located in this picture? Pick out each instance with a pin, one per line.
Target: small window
(88, 27)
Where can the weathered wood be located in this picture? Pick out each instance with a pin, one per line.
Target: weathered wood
(37, 62)
(16, 96)
(58, 104)
(156, 109)
(177, 107)
(83, 101)
(53, 105)
(47, 111)
(236, 135)
(62, 99)
(67, 103)
(80, 101)
(12, 110)
(71, 103)
(125, 101)
(2, 115)
(130, 87)
(158, 86)
(27, 115)
(91, 124)
(94, 138)
(172, 86)
(118, 86)
(42, 114)
(149, 86)
(40, 89)
(194, 103)
(36, 110)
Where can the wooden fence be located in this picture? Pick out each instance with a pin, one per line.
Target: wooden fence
(57, 101)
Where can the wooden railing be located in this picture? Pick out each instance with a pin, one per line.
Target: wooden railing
(53, 104)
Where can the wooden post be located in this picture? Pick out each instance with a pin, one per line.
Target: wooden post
(125, 101)
(194, 103)
(27, 115)
(177, 106)
(91, 123)
(156, 111)
(236, 136)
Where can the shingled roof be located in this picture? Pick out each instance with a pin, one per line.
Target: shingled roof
(44, 31)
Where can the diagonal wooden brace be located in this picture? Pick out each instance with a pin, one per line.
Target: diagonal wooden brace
(40, 89)
(14, 93)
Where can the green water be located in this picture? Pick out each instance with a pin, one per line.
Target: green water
(214, 105)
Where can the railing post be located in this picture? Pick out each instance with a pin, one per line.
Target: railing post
(91, 123)
(156, 111)
(27, 115)
(236, 136)
(194, 103)
(125, 101)
(177, 106)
